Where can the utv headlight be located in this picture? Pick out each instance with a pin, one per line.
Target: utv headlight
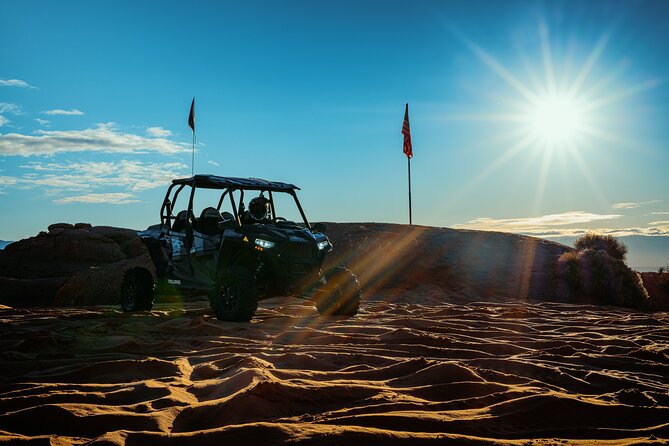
(323, 245)
(265, 244)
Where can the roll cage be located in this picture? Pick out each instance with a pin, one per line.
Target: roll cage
(228, 185)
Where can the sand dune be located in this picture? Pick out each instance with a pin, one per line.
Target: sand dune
(422, 368)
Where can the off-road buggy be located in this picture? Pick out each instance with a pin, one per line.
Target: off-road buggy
(235, 260)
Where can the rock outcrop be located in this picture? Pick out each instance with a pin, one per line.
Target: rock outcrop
(52, 267)
(59, 253)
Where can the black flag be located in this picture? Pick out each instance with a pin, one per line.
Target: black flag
(191, 116)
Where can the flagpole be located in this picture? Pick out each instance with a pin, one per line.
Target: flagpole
(409, 170)
(192, 163)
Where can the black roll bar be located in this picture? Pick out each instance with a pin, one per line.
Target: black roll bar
(299, 206)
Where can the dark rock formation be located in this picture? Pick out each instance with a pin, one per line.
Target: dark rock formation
(35, 270)
(98, 285)
(59, 253)
(53, 226)
(126, 239)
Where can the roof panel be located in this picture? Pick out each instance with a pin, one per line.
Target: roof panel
(216, 182)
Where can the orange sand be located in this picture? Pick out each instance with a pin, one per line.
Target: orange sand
(425, 368)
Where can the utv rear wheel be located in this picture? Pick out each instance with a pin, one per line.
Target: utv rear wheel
(340, 293)
(137, 290)
(235, 297)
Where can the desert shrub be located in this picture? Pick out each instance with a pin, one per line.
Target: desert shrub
(604, 273)
(609, 281)
(597, 242)
(594, 276)
(571, 265)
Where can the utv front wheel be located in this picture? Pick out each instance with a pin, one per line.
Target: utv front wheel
(137, 290)
(234, 297)
(339, 294)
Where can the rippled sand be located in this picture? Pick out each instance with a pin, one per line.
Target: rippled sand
(415, 370)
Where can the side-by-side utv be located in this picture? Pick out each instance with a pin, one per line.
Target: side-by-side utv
(238, 255)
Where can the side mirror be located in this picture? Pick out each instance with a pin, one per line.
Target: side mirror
(319, 227)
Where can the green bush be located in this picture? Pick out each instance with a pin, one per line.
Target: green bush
(597, 242)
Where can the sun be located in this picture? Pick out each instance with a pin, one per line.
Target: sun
(556, 118)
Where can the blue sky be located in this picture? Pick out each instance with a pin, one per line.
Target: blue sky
(94, 99)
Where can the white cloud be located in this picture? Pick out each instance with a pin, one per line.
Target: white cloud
(213, 163)
(15, 83)
(6, 107)
(552, 225)
(42, 121)
(103, 138)
(532, 223)
(649, 231)
(660, 213)
(7, 181)
(73, 112)
(110, 198)
(3, 120)
(94, 179)
(158, 131)
(633, 205)
(133, 176)
(625, 205)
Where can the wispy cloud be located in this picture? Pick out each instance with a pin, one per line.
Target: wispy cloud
(213, 163)
(660, 213)
(133, 176)
(625, 205)
(15, 83)
(532, 223)
(103, 138)
(633, 205)
(553, 225)
(158, 131)
(6, 107)
(58, 111)
(42, 121)
(649, 231)
(6, 181)
(93, 180)
(110, 198)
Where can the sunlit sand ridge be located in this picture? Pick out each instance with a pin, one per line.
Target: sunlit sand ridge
(404, 370)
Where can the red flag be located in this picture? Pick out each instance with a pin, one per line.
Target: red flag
(406, 131)
(191, 116)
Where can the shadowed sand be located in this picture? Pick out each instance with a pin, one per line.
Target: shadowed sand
(422, 368)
